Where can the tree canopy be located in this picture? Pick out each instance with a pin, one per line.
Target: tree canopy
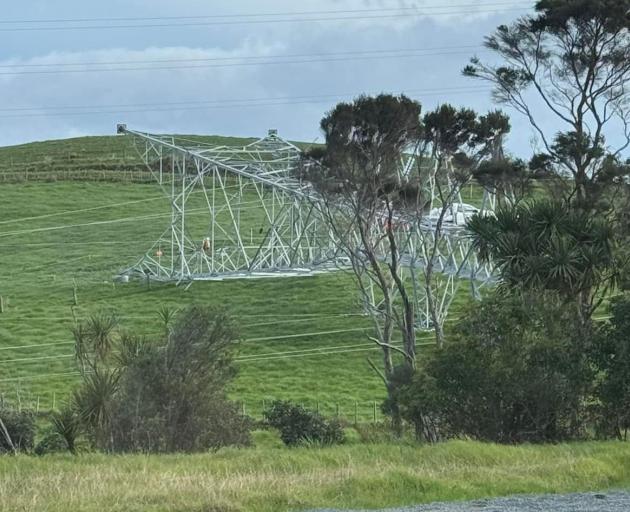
(570, 60)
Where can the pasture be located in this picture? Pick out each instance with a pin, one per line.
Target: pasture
(63, 238)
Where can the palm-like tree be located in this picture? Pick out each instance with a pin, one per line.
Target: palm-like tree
(94, 403)
(102, 330)
(66, 423)
(547, 245)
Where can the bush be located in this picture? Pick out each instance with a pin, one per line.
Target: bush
(611, 355)
(66, 424)
(51, 442)
(166, 395)
(20, 427)
(298, 425)
(513, 373)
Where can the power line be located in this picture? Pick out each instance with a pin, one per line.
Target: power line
(300, 320)
(280, 61)
(81, 210)
(40, 376)
(253, 357)
(303, 335)
(23, 347)
(88, 224)
(233, 100)
(243, 15)
(262, 358)
(211, 107)
(237, 317)
(194, 211)
(39, 358)
(19, 347)
(316, 350)
(381, 16)
(245, 57)
(270, 338)
(326, 353)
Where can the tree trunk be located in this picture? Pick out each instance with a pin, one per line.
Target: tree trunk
(397, 424)
(6, 435)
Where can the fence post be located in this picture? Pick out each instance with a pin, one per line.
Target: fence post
(337, 410)
(374, 412)
(356, 413)
(75, 298)
(54, 400)
(1, 304)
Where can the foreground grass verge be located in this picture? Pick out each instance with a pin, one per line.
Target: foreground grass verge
(276, 479)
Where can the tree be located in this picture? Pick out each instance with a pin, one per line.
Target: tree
(506, 180)
(95, 341)
(571, 61)
(611, 354)
(510, 373)
(162, 395)
(359, 181)
(546, 245)
(389, 184)
(362, 193)
(456, 143)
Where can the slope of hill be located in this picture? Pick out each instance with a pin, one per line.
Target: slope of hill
(66, 239)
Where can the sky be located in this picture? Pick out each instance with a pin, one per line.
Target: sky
(234, 68)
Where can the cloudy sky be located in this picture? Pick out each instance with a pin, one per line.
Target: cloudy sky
(233, 68)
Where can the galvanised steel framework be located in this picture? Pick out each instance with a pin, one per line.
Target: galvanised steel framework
(231, 188)
(258, 220)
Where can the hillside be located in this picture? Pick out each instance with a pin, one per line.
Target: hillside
(64, 235)
(99, 158)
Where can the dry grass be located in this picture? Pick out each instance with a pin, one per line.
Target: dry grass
(276, 479)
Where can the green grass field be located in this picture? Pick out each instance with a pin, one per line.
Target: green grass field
(302, 338)
(64, 236)
(275, 479)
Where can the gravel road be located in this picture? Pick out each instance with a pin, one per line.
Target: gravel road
(617, 501)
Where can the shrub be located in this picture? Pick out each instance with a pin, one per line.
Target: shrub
(611, 355)
(66, 424)
(164, 395)
(514, 372)
(51, 442)
(298, 425)
(20, 428)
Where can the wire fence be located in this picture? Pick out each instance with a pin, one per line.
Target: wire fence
(123, 175)
(345, 409)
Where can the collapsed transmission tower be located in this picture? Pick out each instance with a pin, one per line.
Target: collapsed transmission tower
(241, 212)
(256, 220)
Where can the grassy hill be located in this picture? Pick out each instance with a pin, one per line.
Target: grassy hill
(64, 234)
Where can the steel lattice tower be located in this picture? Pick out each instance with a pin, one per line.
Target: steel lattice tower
(233, 187)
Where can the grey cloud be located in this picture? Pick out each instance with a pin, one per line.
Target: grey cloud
(298, 121)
